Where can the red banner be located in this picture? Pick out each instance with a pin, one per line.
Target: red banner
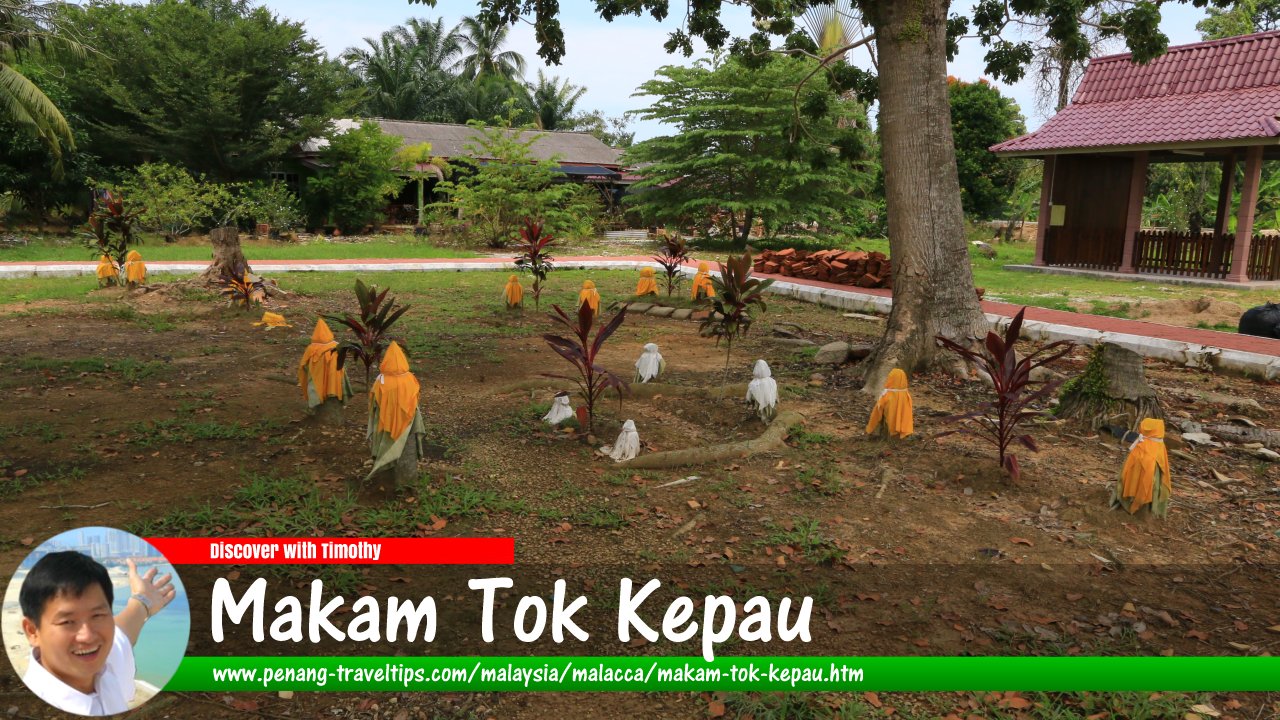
(340, 551)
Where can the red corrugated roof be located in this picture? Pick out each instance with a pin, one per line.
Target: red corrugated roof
(1218, 90)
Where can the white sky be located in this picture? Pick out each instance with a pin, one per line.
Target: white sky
(612, 59)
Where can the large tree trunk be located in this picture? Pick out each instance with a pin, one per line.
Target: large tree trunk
(933, 291)
(226, 254)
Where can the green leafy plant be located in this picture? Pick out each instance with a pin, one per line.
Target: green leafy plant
(533, 257)
(673, 254)
(273, 204)
(243, 287)
(999, 421)
(175, 201)
(377, 314)
(582, 352)
(736, 294)
(112, 225)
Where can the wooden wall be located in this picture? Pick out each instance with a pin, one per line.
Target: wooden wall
(1095, 191)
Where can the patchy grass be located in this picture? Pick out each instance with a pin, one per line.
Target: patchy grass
(197, 248)
(185, 430)
(11, 487)
(129, 369)
(805, 535)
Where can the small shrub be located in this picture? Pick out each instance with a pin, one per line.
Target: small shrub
(582, 351)
(533, 257)
(736, 293)
(671, 256)
(998, 421)
(243, 287)
(377, 314)
(112, 225)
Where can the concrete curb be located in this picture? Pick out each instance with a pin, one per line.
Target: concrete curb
(1192, 355)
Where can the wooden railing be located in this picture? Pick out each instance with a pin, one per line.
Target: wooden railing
(1180, 253)
(1264, 258)
(1165, 252)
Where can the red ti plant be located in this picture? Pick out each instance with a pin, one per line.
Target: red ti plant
(581, 350)
(112, 225)
(998, 421)
(377, 314)
(533, 255)
(736, 293)
(671, 256)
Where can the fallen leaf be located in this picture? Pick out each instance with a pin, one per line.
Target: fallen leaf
(715, 708)
(27, 540)
(438, 523)
(1021, 541)
(1198, 635)
(694, 504)
(1274, 629)
(233, 575)
(1074, 596)
(1203, 709)
(872, 698)
(1017, 702)
(637, 641)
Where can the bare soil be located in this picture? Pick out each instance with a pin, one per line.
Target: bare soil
(914, 547)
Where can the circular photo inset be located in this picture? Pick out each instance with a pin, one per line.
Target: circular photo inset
(95, 621)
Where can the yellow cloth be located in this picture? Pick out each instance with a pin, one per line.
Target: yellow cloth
(320, 365)
(513, 293)
(1138, 479)
(702, 286)
(590, 296)
(893, 407)
(395, 393)
(271, 320)
(135, 271)
(106, 268)
(647, 285)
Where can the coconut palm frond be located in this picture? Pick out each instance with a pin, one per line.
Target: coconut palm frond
(22, 102)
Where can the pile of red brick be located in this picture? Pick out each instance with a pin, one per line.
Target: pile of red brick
(846, 267)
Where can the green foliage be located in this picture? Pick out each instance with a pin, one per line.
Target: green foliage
(980, 118)
(30, 28)
(736, 293)
(406, 72)
(273, 203)
(372, 329)
(748, 144)
(1242, 17)
(494, 196)
(40, 179)
(220, 87)
(358, 176)
(417, 162)
(175, 201)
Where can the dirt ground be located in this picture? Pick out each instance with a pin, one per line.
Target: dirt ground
(157, 418)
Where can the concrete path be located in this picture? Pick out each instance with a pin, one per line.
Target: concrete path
(1193, 347)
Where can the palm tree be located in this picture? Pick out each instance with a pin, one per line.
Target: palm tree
(407, 71)
(28, 27)
(483, 55)
(389, 71)
(553, 101)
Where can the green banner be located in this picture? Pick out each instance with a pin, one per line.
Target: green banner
(758, 674)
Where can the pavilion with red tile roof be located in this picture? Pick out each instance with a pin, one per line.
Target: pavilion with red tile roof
(1216, 101)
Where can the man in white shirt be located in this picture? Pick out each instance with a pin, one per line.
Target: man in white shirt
(81, 656)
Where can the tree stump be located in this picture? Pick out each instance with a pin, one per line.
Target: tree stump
(227, 255)
(1112, 390)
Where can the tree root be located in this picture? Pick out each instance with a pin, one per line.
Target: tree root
(771, 439)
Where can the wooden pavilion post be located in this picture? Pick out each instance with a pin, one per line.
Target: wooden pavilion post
(1046, 202)
(1133, 219)
(1244, 216)
(1225, 188)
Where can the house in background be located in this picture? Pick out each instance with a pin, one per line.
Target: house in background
(582, 158)
(1216, 101)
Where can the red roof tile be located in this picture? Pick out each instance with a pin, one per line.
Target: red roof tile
(1218, 90)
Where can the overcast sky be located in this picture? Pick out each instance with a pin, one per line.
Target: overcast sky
(612, 59)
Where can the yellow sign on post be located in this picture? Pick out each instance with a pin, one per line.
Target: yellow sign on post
(1057, 215)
